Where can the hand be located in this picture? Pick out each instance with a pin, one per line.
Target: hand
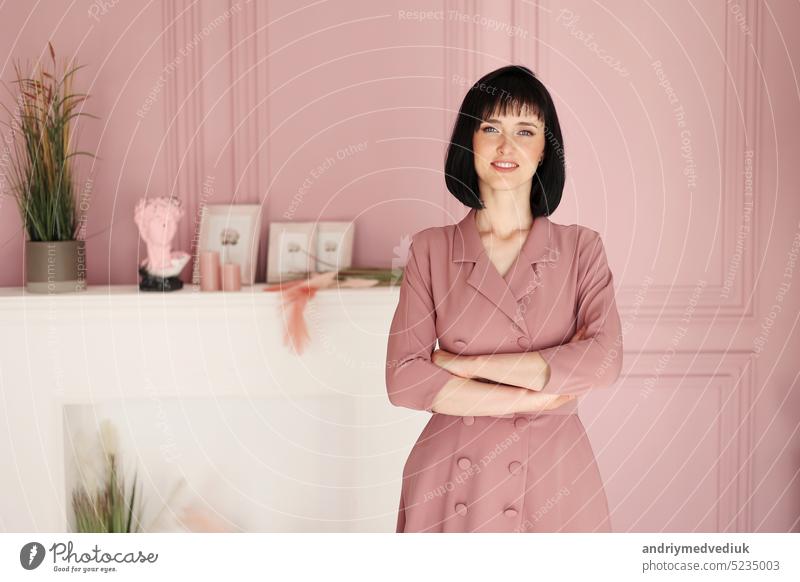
(542, 401)
(451, 362)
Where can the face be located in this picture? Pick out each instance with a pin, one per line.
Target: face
(507, 150)
(161, 228)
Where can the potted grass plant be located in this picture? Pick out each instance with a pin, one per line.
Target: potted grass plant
(101, 503)
(108, 510)
(42, 177)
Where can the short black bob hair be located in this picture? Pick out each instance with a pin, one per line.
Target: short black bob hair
(509, 88)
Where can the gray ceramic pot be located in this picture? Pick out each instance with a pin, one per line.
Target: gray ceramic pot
(55, 267)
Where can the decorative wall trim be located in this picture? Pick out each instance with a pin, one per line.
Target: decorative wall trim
(736, 413)
(525, 48)
(244, 98)
(740, 114)
(183, 114)
(458, 61)
(249, 86)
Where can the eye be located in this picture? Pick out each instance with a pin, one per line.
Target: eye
(526, 132)
(489, 129)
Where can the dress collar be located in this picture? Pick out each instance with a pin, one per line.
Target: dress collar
(523, 278)
(467, 245)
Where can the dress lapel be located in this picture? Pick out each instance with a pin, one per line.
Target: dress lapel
(523, 277)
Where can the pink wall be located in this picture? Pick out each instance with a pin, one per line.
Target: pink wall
(123, 54)
(668, 111)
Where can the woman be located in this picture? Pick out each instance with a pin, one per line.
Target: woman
(524, 312)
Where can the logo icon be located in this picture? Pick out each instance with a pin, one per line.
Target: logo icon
(31, 555)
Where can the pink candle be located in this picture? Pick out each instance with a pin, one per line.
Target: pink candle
(231, 277)
(209, 271)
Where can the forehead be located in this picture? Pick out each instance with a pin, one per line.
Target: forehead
(513, 114)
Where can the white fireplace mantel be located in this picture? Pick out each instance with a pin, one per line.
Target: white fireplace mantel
(115, 344)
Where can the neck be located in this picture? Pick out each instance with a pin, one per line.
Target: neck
(159, 255)
(507, 212)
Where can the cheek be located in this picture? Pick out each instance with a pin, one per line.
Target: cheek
(538, 146)
(531, 151)
(482, 148)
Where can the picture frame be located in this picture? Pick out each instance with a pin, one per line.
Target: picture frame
(334, 245)
(234, 230)
(289, 253)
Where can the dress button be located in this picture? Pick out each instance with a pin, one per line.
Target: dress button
(467, 420)
(464, 463)
(521, 423)
(510, 512)
(514, 467)
(461, 508)
(523, 342)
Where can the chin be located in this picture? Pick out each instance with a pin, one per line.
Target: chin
(507, 184)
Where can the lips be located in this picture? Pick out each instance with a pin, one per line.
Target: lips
(504, 165)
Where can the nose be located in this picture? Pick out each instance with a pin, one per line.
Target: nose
(502, 145)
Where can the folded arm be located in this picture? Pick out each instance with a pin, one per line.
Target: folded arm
(467, 397)
(574, 367)
(414, 381)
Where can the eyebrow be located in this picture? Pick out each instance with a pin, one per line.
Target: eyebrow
(495, 120)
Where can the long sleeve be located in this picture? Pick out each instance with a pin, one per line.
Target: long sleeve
(596, 360)
(412, 379)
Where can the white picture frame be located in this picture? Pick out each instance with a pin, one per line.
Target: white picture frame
(334, 245)
(289, 253)
(240, 226)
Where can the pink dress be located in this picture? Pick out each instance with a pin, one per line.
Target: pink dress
(529, 472)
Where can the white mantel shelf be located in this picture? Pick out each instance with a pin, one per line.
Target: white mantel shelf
(112, 345)
(13, 298)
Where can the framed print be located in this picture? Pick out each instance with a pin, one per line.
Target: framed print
(290, 250)
(233, 230)
(334, 245)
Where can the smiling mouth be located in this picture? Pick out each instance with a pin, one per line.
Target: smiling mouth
(505, 165)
